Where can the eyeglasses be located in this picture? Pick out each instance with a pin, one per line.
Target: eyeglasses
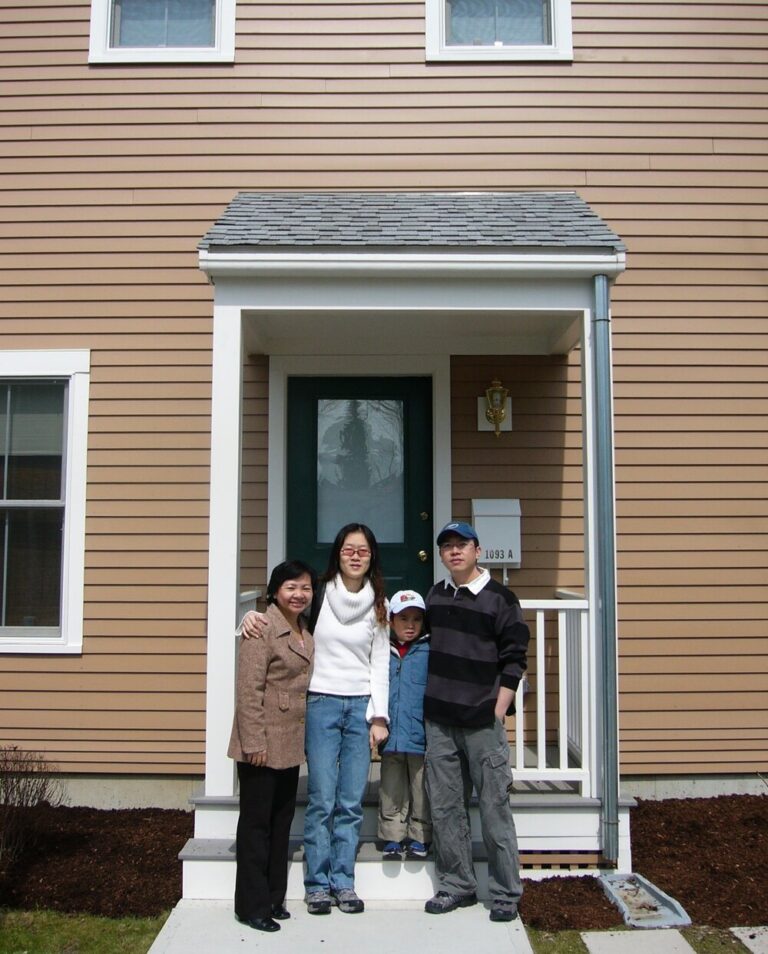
(457, 545)
(351, 551)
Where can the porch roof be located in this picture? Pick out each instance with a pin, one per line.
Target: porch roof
(558, 220)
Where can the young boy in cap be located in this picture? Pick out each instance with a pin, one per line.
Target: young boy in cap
(404, 820)
(477, 657)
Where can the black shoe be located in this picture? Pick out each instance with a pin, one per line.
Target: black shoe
(443, 902)
(261, 924)
(280, 912)
(503, 910)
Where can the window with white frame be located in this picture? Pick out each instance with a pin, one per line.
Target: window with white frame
(499, 30)
(43, 437)
(152, 31)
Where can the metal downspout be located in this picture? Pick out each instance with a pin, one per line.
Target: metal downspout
(606, 569)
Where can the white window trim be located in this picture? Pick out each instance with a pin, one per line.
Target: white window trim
(222, 52)
(561, 47)
(75, 366)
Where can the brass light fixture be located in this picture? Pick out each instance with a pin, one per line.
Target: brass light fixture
(496, 404)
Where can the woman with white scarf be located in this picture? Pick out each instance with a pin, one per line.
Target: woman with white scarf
(347, 715)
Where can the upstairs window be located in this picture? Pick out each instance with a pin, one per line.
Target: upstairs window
(499, 30)
(162, 30)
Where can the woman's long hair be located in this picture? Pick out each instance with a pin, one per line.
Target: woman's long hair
(373, 572)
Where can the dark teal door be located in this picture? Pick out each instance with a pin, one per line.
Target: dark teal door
(359, 450)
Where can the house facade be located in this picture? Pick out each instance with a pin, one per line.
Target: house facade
(169, 329)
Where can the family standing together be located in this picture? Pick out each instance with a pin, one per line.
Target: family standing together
(333, 672)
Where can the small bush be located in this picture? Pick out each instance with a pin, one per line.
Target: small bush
(26, 781)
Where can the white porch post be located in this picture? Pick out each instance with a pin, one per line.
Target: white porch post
(224, 546)
(590, 534)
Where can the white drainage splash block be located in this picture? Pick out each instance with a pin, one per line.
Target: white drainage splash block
(641, 903)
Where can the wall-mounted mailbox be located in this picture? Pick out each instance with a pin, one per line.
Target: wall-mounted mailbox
(498, 529)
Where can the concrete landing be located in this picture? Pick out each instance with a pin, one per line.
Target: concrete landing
(755, 938)
(384, 928)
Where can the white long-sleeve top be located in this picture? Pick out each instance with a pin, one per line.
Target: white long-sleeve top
(351, 648)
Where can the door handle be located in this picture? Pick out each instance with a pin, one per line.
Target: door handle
(423, 556)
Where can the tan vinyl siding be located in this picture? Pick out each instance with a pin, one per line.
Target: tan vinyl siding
(253, 515)
(110, 176)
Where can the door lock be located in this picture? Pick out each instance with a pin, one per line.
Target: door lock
(423, 556)
(424, 515)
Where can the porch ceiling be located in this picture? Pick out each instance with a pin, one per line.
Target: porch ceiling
(411, 331)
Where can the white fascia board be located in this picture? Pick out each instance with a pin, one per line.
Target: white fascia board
(482, 264)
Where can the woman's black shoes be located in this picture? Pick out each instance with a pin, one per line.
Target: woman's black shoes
(261, 924)
(280, 912)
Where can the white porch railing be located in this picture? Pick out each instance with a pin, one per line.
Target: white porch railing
(554, 735)
(554, 731)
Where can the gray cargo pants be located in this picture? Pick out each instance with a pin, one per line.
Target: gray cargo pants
(458, 759)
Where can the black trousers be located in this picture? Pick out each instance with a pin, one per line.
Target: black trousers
(267, 804)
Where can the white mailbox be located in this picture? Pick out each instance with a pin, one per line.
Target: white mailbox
(498, 529)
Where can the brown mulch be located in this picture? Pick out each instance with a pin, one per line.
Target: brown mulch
(710, 854)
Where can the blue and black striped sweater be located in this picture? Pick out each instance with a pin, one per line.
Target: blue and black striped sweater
(479, 642)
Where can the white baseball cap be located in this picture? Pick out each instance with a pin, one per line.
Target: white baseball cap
(403, 600)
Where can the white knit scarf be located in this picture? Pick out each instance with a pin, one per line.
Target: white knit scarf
(348, 607)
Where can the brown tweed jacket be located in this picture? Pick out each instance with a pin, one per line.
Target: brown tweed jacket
(272, 678)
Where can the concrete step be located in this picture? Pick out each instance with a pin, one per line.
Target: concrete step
(558, 832)
(209, 872)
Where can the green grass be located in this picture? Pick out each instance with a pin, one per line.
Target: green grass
(46, 932)
(710, 940)
(556, 942)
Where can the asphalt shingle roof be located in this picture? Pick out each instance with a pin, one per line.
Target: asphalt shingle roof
(396, 219)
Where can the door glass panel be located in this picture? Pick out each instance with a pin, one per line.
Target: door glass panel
(360, 476)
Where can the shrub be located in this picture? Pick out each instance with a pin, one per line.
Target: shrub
(26, 781)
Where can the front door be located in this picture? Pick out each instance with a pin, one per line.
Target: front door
(359, 450)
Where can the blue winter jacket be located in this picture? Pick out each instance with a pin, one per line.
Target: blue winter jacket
(407, 682)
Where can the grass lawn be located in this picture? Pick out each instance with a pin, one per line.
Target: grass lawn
(47, 932)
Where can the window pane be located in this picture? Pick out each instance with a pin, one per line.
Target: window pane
(33, 569)
(360, 468)
(161, 23)
(498, 22)
(34, 441)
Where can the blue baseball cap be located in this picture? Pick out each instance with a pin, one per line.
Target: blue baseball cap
(460, 529)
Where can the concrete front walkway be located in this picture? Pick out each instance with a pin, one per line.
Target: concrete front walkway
(395, 927)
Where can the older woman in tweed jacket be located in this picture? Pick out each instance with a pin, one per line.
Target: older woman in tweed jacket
(268, 744)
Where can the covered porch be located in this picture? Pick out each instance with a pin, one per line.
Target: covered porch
(332, 285)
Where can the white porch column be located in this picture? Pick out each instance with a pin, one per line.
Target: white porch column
(224, 546)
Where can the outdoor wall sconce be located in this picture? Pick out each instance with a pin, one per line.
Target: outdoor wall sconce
(494, 411)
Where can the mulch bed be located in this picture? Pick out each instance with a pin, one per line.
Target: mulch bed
(710, 854)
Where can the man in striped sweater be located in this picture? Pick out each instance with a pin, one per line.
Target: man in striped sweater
(478, 656)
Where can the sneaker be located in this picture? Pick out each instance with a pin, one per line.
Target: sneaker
(503, 910)
(392, 851)
(415, 849)
(319, 902)
(443, 902)
(348, 901)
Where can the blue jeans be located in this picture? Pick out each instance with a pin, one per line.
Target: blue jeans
(338, 758)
